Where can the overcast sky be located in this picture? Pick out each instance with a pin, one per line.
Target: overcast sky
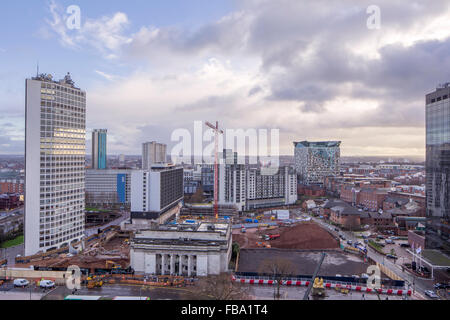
(312, 69)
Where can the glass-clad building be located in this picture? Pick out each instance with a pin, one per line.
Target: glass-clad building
(438, 168)
(99, 148)
(316, 160)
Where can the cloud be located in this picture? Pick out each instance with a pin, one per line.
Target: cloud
(105, 34)
(311, 68)
(105, 75)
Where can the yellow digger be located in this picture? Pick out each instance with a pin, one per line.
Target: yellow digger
(112, 265)
(94, 282)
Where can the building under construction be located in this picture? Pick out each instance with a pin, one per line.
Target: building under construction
(208, 210)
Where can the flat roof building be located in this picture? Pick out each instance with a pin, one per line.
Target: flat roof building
(55, 151)
(198, 249)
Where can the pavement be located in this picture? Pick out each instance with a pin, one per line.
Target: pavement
(418, 285)
(111, 291)
(265, 292)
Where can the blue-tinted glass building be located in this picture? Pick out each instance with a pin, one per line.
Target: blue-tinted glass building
(438, 168)
(99, 149)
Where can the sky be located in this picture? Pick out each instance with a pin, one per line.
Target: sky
(312, 69)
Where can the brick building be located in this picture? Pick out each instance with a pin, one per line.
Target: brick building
(372, 198)
(9, 201)
(11, 186)
(346, 216)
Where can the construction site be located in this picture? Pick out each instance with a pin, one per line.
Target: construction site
(305, 235)
(104, 251)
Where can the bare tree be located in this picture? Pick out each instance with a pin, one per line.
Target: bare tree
(278, 268)
(221, 287)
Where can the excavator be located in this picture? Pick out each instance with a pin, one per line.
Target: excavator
(117, 268)
(112, 265)
(94, 282)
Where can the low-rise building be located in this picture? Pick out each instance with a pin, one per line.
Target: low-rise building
(11, 186)
(10, 201)
(107, 187)
(198, 249)
(345, 216)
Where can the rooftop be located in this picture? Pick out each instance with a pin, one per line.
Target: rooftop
(317, 144)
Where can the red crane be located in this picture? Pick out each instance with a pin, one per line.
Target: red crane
(216, 166)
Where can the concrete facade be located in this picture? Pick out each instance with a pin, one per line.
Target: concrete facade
(186, 250)
(55, 150)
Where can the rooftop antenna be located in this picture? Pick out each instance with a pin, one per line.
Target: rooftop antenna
(37, 69)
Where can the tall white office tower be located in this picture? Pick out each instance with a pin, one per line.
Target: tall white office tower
(55, 151)
(152, 153)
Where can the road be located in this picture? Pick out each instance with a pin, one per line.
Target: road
(417, 284)
(8, 213)
(11, 253)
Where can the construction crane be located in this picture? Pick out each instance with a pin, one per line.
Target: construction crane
(217, 131)
(311, 282)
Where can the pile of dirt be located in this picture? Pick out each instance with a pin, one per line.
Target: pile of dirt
(304, 236)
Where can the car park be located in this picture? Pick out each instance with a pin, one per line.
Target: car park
(22, 283)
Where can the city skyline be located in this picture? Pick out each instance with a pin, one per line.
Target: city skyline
(269, 64)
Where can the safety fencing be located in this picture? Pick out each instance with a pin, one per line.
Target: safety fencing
(327, 285)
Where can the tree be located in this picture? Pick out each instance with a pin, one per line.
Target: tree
(279, 269)
(197, 197)
(221, 287)
(235, 250)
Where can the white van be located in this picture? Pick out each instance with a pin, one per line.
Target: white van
(46, 284)
(21, 283)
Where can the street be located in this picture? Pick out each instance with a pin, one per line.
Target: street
(419, 285)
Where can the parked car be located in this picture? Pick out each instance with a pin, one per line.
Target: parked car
(441, 286)
(349, 242)
(46, 284)
(389, 241)
(391, 256)
(431, 294)
(21, 283)
(365, 276)
(404, 245)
